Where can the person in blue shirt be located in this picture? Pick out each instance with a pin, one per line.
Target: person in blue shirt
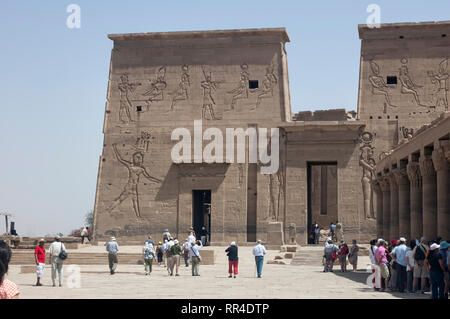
(112, 248)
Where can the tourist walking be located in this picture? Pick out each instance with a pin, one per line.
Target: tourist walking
(195, 257)
(233, 259)
(316, 233)
(392, 265)
(191, 237)
(343, 252)
(150, 240)
(436, 268)
(112, 248)
(339, 232)
(85, 234)
(203, 234)
(332, 231)
(399, 253)
(166, 235)
(186, 248)
(410, 266)
(259, 251)
(55, 250)
(330, 254)
(375, 268)
(39, 258)
(175, 251)
(164, 250)
(443, 250)
(149, 255)
(420, 269)
(160, 253)
(353, 255)
(381, 260)
(8, 289)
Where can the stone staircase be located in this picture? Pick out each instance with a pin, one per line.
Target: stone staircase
(308, 255)
(26, 257)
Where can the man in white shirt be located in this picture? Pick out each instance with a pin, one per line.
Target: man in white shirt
(191, 238)
(57, 263)
(259, 251)
(195, 257)
(399, 253)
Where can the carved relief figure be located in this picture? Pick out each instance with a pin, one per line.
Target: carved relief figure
(125, 105)
(408, 86)
(406, 133)
(143, 142)
(157, 87)
(241, 91)
(135, 170)
(379, 86)
(182, 92)
(367, 162)
(268, 84)
(442, 79)
(208, 86)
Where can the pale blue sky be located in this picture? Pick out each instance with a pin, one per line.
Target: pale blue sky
(54, 80)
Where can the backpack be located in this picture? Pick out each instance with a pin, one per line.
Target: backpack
(420, 253)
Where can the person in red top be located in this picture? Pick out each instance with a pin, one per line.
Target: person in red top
(39, 257)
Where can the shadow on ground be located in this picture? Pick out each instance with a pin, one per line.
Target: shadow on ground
(362, 276)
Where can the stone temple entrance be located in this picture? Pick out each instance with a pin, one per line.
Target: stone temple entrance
(322, 194)
(201, 212)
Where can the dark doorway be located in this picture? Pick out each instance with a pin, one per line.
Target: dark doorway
(322, 195)
(201, 217)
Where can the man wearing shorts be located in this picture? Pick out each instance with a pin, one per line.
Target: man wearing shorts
(420, 269)
(381, 260)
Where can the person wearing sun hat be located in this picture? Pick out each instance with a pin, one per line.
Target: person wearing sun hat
(436, 266)
(39, 257)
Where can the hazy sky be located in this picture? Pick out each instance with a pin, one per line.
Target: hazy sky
(53, 82)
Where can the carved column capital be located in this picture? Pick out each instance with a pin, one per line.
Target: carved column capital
(413, 171)
(440, 162)
(445, 145)
(401, 176)
(392, 181)
(384, 184)
(426, 166)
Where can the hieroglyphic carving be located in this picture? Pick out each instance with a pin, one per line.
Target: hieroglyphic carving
(270, 80)
(208, 86)
(125, 105)
(241, 91)
(143, 142)
(407, 84)
(367, 162)
(241, 173)
(405, 134)
(157, 87)
(379, 86)
(439, 160)
(181, 94)
(440, 96)
(413, 171)
(135, 169)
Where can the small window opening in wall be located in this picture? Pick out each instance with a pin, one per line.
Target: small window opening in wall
(401, 37)
(391, 79)
(253, 84)
(139, 108)
(103, 159)
(371, 117)
(443, 35)
(388, 117)
(379, 117)
(396, 116)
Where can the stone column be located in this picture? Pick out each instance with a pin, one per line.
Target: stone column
(393, 233)
(415, 187)
(385, 189)
(404, 227)
(429, 208)
(442, 167)
(379, 196)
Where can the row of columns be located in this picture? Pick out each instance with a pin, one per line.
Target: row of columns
(414, 201)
